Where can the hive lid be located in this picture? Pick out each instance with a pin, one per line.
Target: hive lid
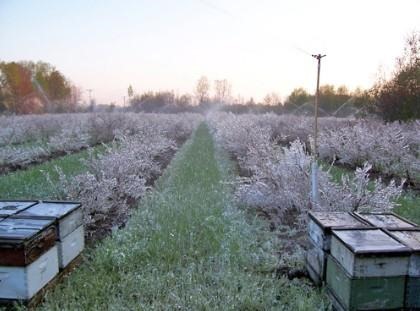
(411, 238)
(20, 229)
(336, 220)
(12, 207)
(369, 241)
(386, 220)
(51, 209)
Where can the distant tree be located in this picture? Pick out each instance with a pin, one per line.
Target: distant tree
(202, 90)
(272, 99)
(297, 97)
(130, 92)
(222, 90)
(15, 86)
(399, 97)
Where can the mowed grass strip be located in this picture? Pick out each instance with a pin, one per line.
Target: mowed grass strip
(31, 183)
(187, 247)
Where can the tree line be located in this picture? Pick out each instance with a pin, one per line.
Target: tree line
(28, 87)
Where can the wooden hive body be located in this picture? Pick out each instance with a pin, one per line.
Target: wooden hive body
(71, 246)
(319, 230)
(411, 238)
(22, 283)
(22, 241)
(367, 269)
(69, 218)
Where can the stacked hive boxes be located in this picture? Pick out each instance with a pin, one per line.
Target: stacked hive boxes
(320, 226)
(36, 239)
(366, 270)
(372, 267)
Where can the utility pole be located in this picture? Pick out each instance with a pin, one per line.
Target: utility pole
(315, 192)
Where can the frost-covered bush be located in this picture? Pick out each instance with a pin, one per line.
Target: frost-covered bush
(279, 179)
(116, 179)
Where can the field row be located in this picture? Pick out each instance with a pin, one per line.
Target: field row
(26, 140)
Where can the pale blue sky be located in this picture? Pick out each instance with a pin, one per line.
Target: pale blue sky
(162, 44)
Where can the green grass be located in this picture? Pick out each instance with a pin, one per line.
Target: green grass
(409, 203)
(187, 247)
(31, 182)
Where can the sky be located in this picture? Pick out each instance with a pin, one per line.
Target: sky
(260, 46)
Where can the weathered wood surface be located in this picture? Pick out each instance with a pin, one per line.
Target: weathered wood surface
(316, 261)
(69, 215)
(321, 223)
(8, 208)
(386, 220)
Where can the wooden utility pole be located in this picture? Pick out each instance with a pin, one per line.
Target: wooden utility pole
(315, 192)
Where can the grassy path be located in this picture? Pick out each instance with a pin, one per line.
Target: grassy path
(187, 247)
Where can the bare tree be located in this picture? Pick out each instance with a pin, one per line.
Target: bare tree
(223, 90)
(202, 89)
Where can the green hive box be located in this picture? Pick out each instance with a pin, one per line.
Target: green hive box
(411, 238)
(367, 270)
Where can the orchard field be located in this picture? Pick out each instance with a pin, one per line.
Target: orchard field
(203, 212)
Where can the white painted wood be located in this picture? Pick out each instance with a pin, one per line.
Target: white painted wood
(24, 282)
(71, 246)
(361, 265)
(68, 224)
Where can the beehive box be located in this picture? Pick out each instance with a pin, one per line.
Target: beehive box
(319, 227)
(28, 256)
(411, 238)
(69, 217)
(321, 223)
(386, 220)
(11, 207)
(367, 269)
(22, 241)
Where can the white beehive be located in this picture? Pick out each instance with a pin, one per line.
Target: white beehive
(69, 217)
(24, 282)
(28, 256)
(11, 207)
